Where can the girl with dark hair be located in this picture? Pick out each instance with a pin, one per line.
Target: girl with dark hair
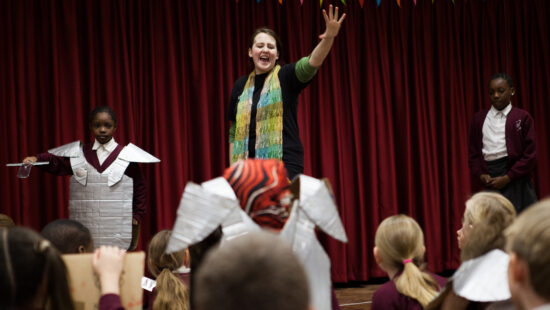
(263, 105)
(32, 274)
(105, 175)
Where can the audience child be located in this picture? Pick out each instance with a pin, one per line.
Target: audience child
(399, 251)
(107, 172)
(486, 216)
(32, 273)
(529, 268)
(68, 236)
(255, 271)
(502, 149)
(262, 188)
(171, 291)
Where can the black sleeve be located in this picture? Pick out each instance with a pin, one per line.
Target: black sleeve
(288, 74)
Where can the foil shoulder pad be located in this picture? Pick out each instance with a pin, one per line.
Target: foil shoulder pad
(133, 153)
(68, 150)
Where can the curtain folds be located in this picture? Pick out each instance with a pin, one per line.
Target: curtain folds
(386, 119)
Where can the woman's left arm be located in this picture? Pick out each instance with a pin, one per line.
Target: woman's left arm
(322, 49)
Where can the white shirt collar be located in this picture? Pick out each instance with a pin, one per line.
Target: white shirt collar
(504, 111)
(109, 146)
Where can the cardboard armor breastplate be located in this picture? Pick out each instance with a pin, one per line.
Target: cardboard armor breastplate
(102, 201)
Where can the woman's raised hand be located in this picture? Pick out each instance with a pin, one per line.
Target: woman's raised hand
(333, 23)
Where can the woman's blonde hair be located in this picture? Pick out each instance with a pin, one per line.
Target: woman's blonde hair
(489, 213)
(171, 292)
(400, 238)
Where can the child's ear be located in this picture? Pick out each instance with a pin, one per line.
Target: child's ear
(518, 271)
(376, 254)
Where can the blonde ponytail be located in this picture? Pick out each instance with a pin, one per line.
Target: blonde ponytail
(400, 242)
(416, 284)
(171, 292)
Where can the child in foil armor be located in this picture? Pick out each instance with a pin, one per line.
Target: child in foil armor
(107, 188)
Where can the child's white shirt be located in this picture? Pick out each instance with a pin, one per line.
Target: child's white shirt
(494, 134)
(104, 150)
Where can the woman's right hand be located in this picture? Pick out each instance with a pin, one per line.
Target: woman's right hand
(29, 160)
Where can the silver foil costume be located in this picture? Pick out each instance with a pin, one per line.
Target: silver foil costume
(103, 201)
(204, 207)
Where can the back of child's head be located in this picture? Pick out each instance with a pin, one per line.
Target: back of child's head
(400, 244)
(490, 214)
(254, 271)
(68, 236)
(102, 109)
(504, 76)
(6, 221)
(31, 271)
(171, 292)
(529, 238)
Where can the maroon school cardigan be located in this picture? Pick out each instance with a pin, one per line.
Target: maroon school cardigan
(520, 144)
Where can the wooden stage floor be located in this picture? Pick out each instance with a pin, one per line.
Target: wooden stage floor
(357, 297)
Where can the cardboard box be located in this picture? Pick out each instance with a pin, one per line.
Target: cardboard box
(84, 284)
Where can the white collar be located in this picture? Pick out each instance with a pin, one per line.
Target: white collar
(109, 146)
(504, 111)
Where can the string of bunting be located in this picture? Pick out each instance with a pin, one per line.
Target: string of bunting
(361, 2)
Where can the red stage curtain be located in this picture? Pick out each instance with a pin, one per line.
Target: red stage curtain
(386, 119)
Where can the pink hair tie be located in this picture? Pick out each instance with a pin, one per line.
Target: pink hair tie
(408, 260)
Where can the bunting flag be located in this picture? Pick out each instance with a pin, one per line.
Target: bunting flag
(361, 2)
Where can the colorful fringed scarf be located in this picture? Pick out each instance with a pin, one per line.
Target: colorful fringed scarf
(269, 119)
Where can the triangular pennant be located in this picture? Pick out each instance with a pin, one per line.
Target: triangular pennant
(361, 3)
(377, 2)
(399, 3)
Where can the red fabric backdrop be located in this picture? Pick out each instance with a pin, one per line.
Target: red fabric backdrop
(386, 118)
